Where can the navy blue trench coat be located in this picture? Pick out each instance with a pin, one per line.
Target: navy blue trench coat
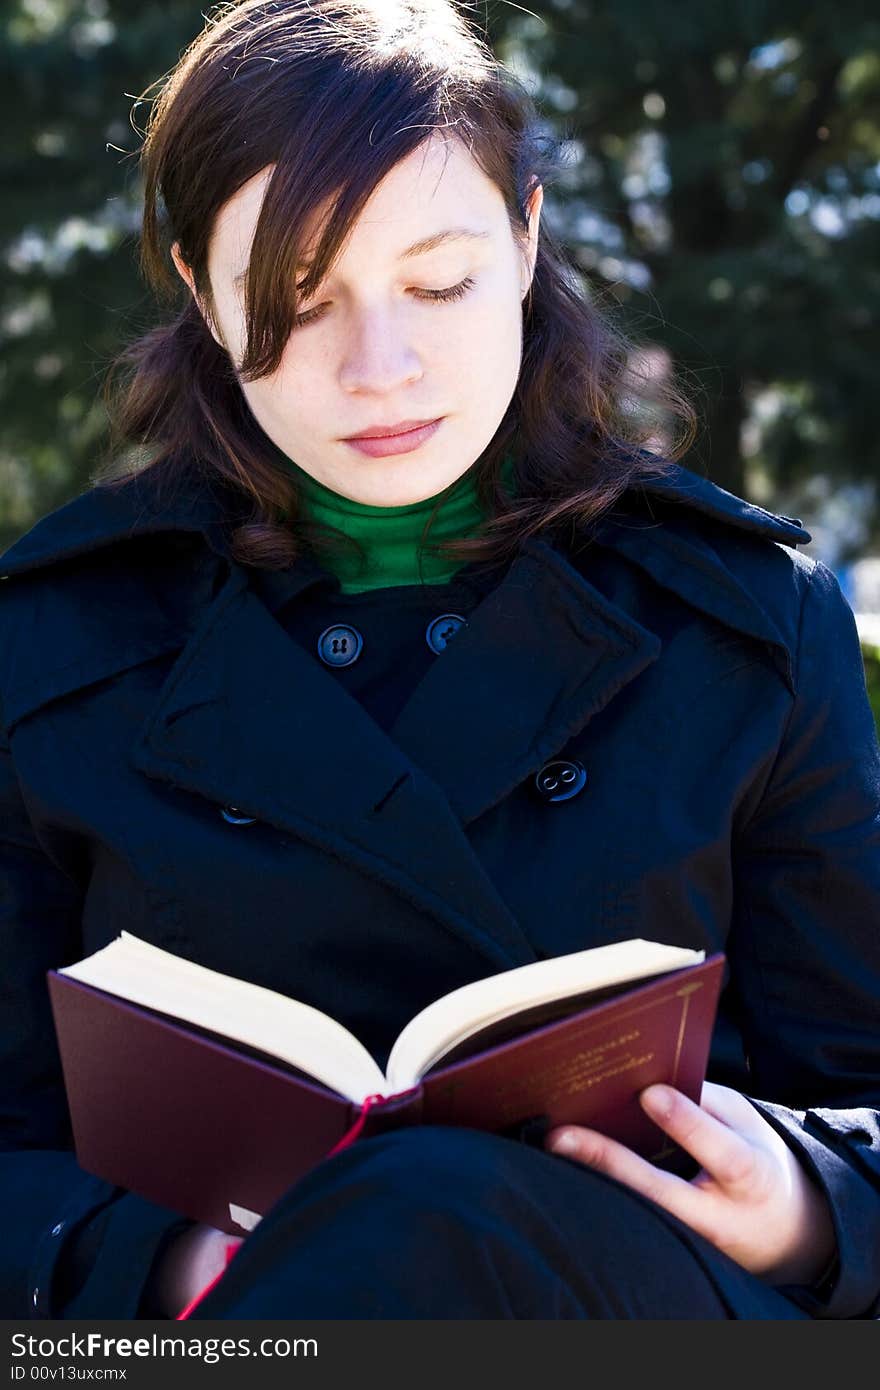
(704, 674)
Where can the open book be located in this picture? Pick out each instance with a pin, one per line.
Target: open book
(211, 1095)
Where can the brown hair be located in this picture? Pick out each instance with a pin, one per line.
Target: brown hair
(334, 93)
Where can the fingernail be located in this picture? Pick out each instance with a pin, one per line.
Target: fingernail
(657, 1100)
(564, 1143)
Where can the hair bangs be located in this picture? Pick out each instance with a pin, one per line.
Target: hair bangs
(326, 174)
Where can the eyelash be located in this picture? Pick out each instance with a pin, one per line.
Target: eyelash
(430, 296)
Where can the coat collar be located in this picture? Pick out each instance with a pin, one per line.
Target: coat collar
(397, 805)
(680, 553)
(676, 552)
(106, 514)
(103, 515)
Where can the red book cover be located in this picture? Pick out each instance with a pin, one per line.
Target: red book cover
(218, 1131)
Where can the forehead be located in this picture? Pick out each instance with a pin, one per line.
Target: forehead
(436, 187)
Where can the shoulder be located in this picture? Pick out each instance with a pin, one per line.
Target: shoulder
(108, 580)
(156, 502)
(730, 559)
(679, 501)
(117, 546)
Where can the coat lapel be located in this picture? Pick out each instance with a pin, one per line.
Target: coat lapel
(685, 562)
(248, 718)
(542, 654)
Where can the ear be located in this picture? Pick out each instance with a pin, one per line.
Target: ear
(182, 268)
(533, 210)
(189, 279)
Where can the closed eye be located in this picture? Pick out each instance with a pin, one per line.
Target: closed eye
(431, 296)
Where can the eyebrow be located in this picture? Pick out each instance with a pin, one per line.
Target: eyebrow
(418, 248)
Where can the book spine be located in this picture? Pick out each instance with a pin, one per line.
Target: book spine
(356, 1129)
(378, 1114)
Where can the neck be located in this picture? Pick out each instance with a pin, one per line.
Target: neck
(391, 536)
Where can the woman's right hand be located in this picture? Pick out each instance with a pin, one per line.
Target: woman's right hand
(188, 1265)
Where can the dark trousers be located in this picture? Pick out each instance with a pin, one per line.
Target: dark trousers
(434, 1222)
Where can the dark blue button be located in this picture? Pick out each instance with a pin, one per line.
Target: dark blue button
(234, 816)
(340, 645)
(560, 780)
(441, 630)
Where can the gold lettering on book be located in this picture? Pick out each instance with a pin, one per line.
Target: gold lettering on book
(618, 1070)
(578, 1065)
(586, 1065)
(561, 1082)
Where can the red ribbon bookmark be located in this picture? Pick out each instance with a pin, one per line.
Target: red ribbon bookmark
(230, 1251)
(351, 1134)
(348, 1138)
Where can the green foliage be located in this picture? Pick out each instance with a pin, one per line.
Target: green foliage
(71, 295)
(731, 151)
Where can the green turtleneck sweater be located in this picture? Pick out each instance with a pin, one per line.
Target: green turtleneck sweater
(390, 535)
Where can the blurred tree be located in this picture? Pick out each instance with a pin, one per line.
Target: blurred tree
(70, 71)
(725, 190)
(723, 194)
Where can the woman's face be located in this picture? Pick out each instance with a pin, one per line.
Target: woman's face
(379, 350)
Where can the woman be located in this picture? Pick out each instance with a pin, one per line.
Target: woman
(365, 719)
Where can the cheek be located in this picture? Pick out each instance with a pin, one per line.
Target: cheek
(300, 375)
(488, 348)
(293, 403)
(484, 341)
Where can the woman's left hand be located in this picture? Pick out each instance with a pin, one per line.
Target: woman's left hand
(751, 1198)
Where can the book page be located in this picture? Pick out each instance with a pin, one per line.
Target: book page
(449, 1021)
(526, 1020)
(276, 1024)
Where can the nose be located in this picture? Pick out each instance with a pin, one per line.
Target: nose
(380, 356)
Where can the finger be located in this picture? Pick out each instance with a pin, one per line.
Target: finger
(732, 1109)
(726, 1154)
(607, 1156)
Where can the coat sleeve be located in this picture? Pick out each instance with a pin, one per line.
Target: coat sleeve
(73, 1245)
(805, 946)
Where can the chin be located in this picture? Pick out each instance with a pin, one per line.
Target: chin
(406, 492)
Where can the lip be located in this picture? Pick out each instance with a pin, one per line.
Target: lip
(385, 431)
(402, 441)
